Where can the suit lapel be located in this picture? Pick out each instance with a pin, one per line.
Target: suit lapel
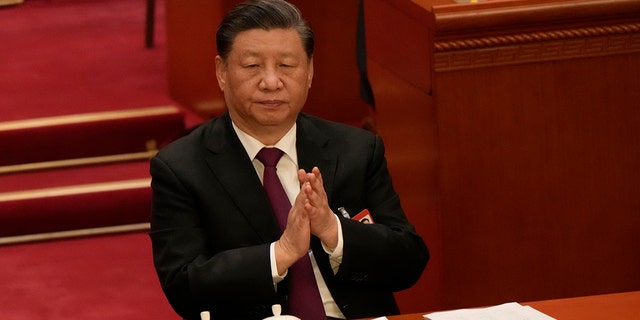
(232, 167)
(314, 149)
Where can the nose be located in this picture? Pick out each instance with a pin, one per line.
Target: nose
(271, 80)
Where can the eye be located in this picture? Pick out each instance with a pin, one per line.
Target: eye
(288, 63)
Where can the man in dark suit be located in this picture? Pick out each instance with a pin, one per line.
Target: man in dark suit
(217, 244)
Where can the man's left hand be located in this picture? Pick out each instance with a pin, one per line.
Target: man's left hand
(322, 220)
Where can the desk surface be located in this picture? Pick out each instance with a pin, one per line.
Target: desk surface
(620, 306)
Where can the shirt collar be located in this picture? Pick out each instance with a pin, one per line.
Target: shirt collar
(287, 143)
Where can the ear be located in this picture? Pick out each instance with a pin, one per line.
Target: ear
(310, 77)
(221, 72)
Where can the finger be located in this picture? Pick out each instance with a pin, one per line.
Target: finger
(303, 196)
(316, 172)
(315, 177)
(302, 176)
(312, 195)
(319, 196)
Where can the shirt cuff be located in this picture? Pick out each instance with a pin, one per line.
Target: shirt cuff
(274, 267)
(335, 254)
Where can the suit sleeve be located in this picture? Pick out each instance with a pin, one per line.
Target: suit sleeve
(193, 277)
(389, 254)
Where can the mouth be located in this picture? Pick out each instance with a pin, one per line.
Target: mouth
(271, 103)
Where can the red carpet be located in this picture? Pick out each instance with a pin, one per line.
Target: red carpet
(78, 56)
(62, 57)
(97, 278)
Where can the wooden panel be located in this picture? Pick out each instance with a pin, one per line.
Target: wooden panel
(537, 180)
(411, 154)
(405, 118)
(534, 147)
(191, 51)
(614, 306)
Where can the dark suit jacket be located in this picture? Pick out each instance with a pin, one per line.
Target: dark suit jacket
(212, 224)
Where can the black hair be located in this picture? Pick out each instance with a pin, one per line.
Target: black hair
(266, 15)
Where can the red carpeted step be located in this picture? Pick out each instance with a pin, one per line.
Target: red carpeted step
(89, 135)
(74, 198)
(79, 175)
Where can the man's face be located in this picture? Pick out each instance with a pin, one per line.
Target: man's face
(265, 79)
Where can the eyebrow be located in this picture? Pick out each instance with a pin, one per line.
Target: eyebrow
(252, 53)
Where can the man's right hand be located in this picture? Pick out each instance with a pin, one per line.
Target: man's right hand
(294, 242)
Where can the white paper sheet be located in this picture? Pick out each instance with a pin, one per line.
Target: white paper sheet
(507, 311)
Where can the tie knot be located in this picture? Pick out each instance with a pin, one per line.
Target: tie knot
(269, 156)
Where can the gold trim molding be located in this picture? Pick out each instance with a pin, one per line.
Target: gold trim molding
(537, 46)
(66, 163)
(10, 2)
(526, 38)
(74, 233)
(87, 117)
(74, 190)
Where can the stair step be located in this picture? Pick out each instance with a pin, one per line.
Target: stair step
(75, 198)
(89, 135)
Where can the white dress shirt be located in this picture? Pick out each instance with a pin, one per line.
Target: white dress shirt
(287, 170)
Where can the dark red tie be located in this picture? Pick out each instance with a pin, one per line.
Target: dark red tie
(304, 298)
